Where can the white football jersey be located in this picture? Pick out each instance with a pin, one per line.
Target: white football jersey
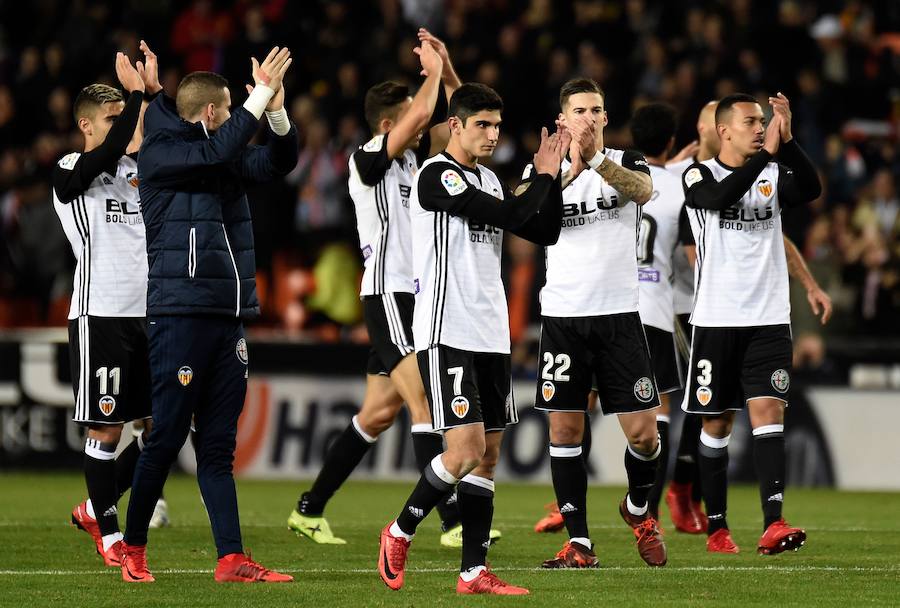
(460, 299)
(106, 230)
(682, 270)
(741, 273)
(380, 188)
(657, 242)
(592, 269)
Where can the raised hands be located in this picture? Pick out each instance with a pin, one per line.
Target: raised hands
(439, 47)
(271, 72)
(429, 58)
(781, 107)
(772, 138)
(129, 77)
(149, 70)
(551, 152)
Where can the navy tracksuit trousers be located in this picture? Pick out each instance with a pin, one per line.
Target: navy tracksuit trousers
(198, 367)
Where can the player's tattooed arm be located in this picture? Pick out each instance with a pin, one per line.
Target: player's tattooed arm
(635, 185)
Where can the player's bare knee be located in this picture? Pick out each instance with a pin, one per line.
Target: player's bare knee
(566, 428)
(106, 433)
(718, 426)
(644, 442)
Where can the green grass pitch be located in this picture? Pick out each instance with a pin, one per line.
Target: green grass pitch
(852, 557)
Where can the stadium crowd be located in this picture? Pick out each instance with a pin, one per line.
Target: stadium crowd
(838, 61)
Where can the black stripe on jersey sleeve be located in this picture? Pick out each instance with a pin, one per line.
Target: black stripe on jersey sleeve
(702, 191)
(635, 161)
(69, 184)
(685, 234)
(372, 162)
(798, 181)
(443, 187)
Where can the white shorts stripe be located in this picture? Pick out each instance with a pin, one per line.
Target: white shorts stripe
(437, 403)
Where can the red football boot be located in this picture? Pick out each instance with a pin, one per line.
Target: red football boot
(83, 521)
(551, 522)
(134, 564)
(779, 537)
(573, 555)
(650, 544)
(392, 558)
(112, 557)
(487, 583)
(678, 499)
(240, 568)
(720, 541)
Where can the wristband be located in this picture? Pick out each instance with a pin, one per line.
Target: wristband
(279, 121)
(258, 99)
(598, 158)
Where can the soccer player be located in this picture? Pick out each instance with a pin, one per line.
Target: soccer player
(741, 347)
(459, 210)
(381, 178)
(684, 494)
(591, 328)
(96, 197)
(194, 165)
(653, 129)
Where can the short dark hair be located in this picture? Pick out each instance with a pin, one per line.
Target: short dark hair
(726, 103)
(652, 128)
(198, 89)
(92, 97)
(578, 85)
(472, 98)
(382, 101)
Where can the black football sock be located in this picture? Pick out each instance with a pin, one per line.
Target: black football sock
(641, 471)
(434, 484)
(567, 467)
(662, 427)
(769, 460)
(686, 459)
(125, 464)
(476, 511)
(100, 475)
(586, 440)
(712, 457)
(345, 454)
(426, 445)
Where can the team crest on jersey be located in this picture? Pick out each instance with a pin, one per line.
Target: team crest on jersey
(453, 182)
(107, 404)
(781, 380)
(704, 395)
(764, 187)
(460, 406)
(548, 389)
(132, 179)
(241, 351)
(643, 389)
(185, 375)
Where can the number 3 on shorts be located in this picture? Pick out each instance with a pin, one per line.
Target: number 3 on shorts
(704, 366)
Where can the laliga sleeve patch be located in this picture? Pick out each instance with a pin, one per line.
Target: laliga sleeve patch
(453, 182)
(692, 177)
(374, 144)
(68, 161)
